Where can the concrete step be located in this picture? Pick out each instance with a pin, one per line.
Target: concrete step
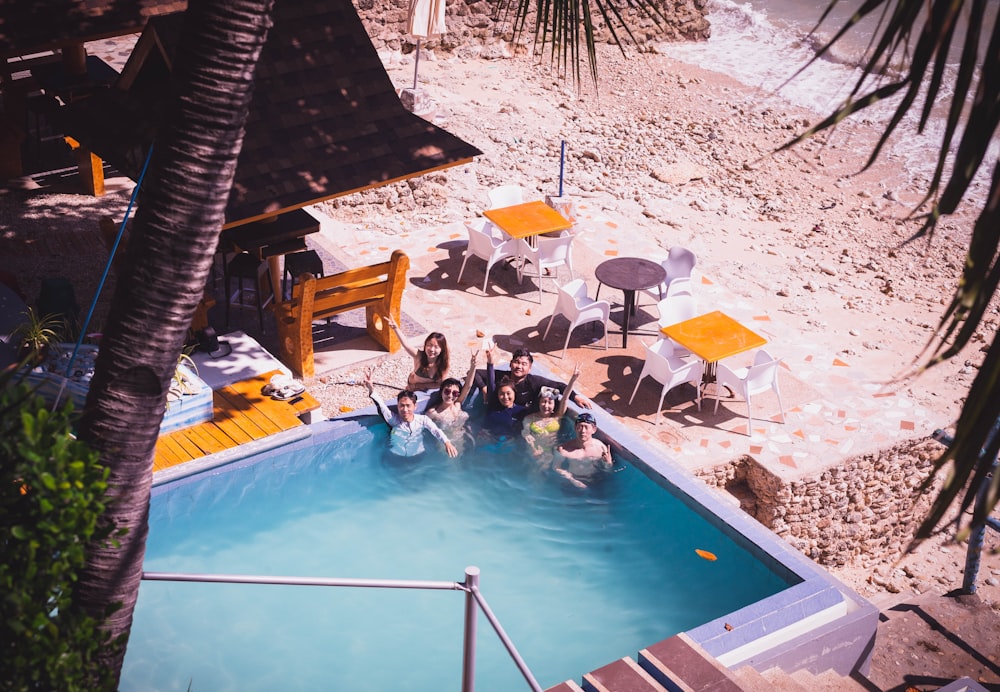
(680, 663)
(567, 686)
(623, 675)
(827, 680)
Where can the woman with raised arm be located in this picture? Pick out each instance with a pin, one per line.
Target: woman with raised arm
(430, 363)
(445, 406)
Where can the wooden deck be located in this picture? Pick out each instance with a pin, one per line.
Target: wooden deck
(241, 414)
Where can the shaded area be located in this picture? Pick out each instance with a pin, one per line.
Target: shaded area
(325, 120)
(27, 27)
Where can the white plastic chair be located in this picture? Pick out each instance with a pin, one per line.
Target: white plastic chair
(679, 264)
(759, 377)
(674, 309)
(669, 370)
(485, 246)
(576, 306)
(548, 253)
(505, 196)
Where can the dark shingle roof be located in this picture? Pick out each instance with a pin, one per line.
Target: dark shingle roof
(325, 119)
(28, 26)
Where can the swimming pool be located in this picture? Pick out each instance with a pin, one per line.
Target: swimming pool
(577, 577)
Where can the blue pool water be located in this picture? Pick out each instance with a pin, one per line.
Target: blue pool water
(577, 577)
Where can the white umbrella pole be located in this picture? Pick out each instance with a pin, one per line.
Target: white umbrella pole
(416, 66)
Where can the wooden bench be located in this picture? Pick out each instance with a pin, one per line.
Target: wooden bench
(378, 288)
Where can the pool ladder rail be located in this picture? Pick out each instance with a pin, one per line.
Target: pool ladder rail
(473, 600)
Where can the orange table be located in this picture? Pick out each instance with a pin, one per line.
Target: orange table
(527, 219)
(713, 336)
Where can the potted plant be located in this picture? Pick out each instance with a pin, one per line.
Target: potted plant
(36, 335)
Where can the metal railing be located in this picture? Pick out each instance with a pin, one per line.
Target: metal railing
(470, 586)
(973, 554)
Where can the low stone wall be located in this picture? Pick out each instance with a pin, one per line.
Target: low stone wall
(859, 513)
(471, 26)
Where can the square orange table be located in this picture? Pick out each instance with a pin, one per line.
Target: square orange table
(713, 336)
(527, 219)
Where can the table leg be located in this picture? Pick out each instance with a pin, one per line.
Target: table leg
(629, 308)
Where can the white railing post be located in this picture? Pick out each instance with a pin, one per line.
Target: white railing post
(471, 615)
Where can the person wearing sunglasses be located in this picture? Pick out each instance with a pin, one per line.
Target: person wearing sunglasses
(445, 407)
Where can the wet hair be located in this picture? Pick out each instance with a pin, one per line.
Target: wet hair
(522, 353)
(442, 361)
(406, 394)
(505, 383)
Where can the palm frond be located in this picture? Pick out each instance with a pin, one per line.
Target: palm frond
(566, 27)
(972, 119)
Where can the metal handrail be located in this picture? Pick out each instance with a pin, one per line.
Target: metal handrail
(470, 586)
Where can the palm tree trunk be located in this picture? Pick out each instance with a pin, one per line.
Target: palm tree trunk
(181, 213)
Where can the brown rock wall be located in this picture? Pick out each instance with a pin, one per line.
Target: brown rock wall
(859, 513)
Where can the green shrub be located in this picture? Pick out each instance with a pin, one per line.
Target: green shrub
(51, 496)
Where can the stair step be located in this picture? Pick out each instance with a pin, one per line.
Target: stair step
(567, 686)
(750, 680)
(783, 682)
(623, 675)
(679, 660)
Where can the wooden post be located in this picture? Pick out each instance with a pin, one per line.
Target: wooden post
(378, 329)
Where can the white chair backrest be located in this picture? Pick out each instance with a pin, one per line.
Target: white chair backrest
(679, 287)
(679, 263)
(575, 289)
(762, 374)
(505, 196)
(675, 309)
(481, 243)
(554, 249)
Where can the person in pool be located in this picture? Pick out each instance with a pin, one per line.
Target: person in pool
(541, 429)
(445, 406)
(503, 413)
(430, 363)
(526, 386)
(585, 455)
(406, 426)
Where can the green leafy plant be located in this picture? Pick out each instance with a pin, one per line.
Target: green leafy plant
(52, 492)
(37, 333)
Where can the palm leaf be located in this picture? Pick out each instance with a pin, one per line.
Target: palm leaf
(973, 117)
(566, 27)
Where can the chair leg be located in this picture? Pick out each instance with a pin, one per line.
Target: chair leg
(780, 406)
(659, 407)
(548, 326)
(637, 383)
(464, 260)
(569, 332)
(486, 278)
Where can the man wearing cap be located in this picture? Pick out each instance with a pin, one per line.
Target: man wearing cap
(527, 386)
(584, 455)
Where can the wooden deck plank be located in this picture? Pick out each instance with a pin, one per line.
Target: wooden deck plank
(273, 416)
(281, 413)
(199, 435)
(176, 449)
(165, 456)
(248, 413)
(241, 414)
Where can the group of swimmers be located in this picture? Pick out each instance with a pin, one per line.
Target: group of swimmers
(518, 406)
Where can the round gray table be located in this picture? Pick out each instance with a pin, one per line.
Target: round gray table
(629, 274)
